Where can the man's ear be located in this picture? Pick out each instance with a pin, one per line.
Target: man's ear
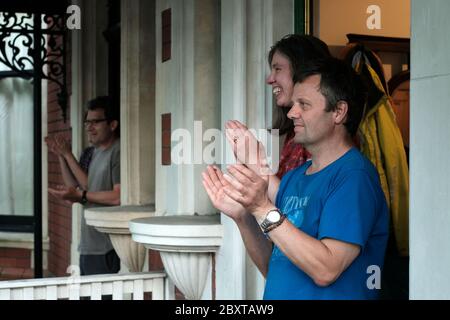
(340, 113)
(114, 124)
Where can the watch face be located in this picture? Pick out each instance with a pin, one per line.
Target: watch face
(273, 216)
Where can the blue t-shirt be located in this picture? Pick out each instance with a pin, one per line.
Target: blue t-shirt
(343, 201)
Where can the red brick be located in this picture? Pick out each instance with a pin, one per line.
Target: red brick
(57, 126)
(57, 206)
(53, 168)
(63, 227)
(58, 266)
(60, 219)
(166, 24)
(54, 107)
(55, 115)
(179, 295)
(60, 246)
(52, 158)
(12, 273)
(55, 177)
(58, 231)
(57, 259)
(23, 263)
(166, 120)
(14, 253)
(8, 262)
(54, 125)
(53, 89)
(166, 157)
(166, 143)
(166, 51)
(154, 261)
(28, 274)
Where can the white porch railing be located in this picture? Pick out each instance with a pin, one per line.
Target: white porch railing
(120, 286)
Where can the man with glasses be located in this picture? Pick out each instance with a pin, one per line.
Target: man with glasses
(97, 187)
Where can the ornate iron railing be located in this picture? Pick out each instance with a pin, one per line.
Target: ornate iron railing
(34, 46)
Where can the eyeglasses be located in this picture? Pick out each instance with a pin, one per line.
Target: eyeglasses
(93, 121)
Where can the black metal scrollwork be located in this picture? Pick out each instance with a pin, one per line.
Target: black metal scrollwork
(22, 21)
(35, 51)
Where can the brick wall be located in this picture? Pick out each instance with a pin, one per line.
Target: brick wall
(15, 263)
(60, 213)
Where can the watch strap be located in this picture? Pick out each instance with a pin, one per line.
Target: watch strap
(267, 225)
(84, 197)
(276, 224)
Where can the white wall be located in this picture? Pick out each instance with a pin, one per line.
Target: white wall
(430, 151)
(336, 18)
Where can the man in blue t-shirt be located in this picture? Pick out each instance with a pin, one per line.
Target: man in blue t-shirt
(321, 232)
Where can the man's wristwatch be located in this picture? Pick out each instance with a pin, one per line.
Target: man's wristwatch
(84, 197)
(272, 220)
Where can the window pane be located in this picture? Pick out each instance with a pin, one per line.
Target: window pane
(16, 147)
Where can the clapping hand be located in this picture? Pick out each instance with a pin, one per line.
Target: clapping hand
(51, 144)
(248, 189)
(214, 184)
(68, 194)
(58, 145)
(246, 148)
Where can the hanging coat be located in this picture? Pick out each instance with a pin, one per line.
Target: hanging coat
(382, 143)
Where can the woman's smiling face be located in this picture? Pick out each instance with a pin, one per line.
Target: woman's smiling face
(280, 78)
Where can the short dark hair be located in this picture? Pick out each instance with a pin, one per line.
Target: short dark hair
(105, 103)
(338, 82)
(299, 49)
(111, 109)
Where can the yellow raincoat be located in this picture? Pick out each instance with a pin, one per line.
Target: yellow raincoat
(382, 143)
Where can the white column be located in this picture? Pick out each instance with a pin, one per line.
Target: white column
(429, 151)
(230, 267)
(187, 86)
(137, 102)
(76, 118)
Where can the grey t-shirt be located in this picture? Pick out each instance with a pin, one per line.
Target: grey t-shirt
(104, 173)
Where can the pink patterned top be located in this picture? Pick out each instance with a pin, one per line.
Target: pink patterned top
(292, 156)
